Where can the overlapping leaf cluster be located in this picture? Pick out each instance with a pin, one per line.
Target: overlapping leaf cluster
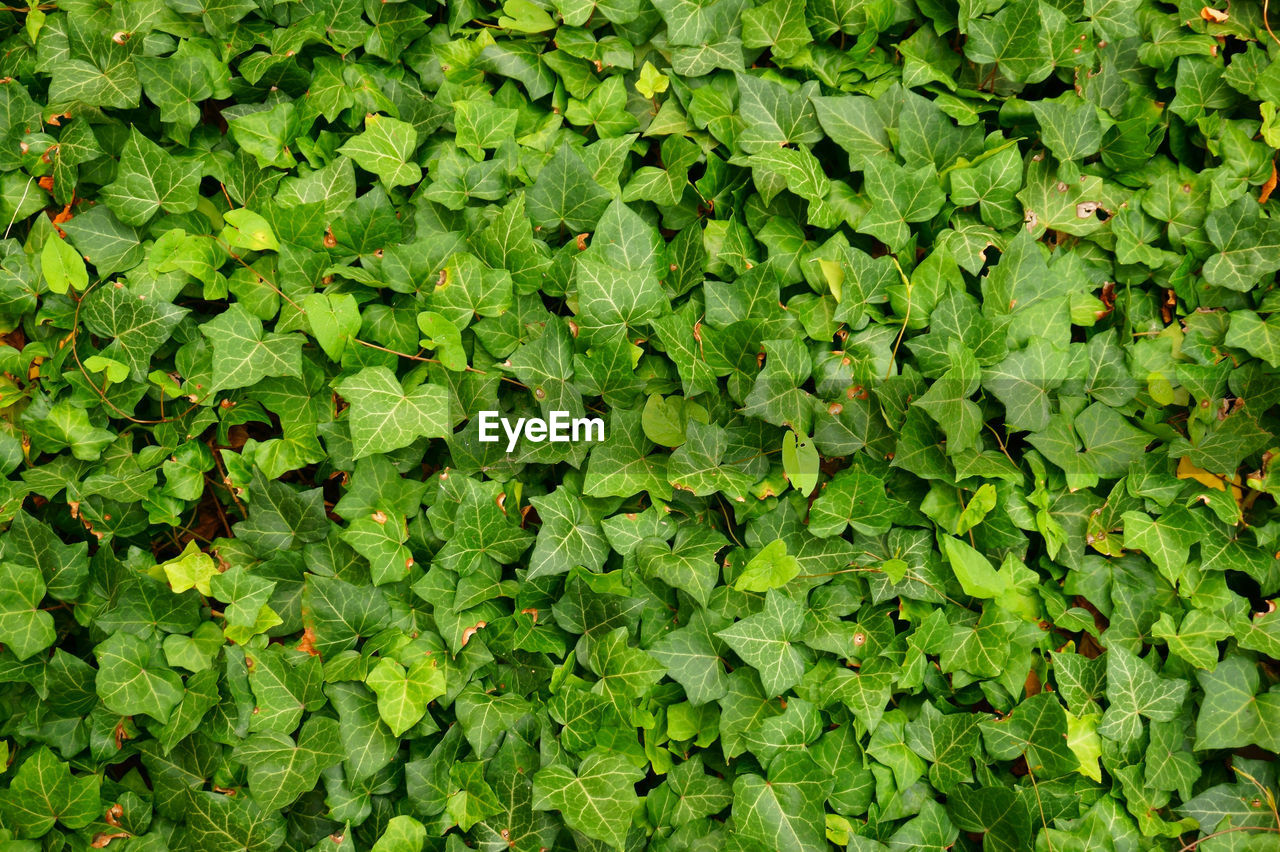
(938, 348)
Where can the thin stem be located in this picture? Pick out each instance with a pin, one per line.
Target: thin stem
(1193, 844)
(1036, 787)
(75, 330)
(427, 360)
(906, 282)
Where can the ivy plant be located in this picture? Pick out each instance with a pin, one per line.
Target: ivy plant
(929, 353)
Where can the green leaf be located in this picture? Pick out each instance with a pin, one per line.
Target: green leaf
(1134, 690)
(130, 683)
(192, 569)
(855, 499)
(1015, 40)
(1233, 714)
(1037, 731)
(771, 568)
(281, 770)
(622, 466)
(62, 266)
(800, 461)
(247, 230)
(45, 791)
(688, 564)
(974, 571)
(598, 799)
(764, 642)
(403, 834)
(381, 540)
(148, 180)
(775, 815)
(1246, 242)
(777, 24)
(898, 196)
(403, 694)
(244, 355)
(24, 628)
(566, 195)
(385, 417)
(1069, 127)
(334, 321)
(664, 420)
(1166, 541)
(386, 148)
(693, 657)
(481, 124)
(444, 337)
(139, 325)
(651, 82)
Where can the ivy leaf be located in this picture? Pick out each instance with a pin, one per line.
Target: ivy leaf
(800, 461)
(622, 465)
(191, 569)
(281, 770)
(281, 518)
(246, 229)
(598, 799)
(130, 683)
(1166, 541)
(103, 240)
(568, 536)
(1244, 239)
(385, 148)
(693, 656)
(24, 628)
(403, 834)
(150, 179)
(334, 320)
(764, 642)
(481, 124)
(900, 196)
(1134, 690)
(1036, 731)
(339, 613)
(139, 326)
(444, 337)
(1233, 714)
(974, 571)
(381, 540)
(243, 355)
(403, 694)
(63, 567)
(853, 498)
(62, 267)
(1015, 40)
(775, 115)
(566, 194)
(771, 568)
(777, 24)
(699, 465)
(385, 417)
(45, 791)
(688, 564)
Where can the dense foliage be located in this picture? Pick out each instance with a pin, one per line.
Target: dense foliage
(938, 347)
